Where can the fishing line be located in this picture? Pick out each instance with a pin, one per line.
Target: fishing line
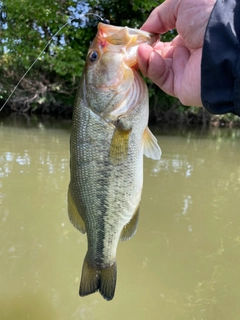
(97, 15)
(73, 20)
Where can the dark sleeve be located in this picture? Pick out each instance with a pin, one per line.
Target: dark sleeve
(220, 68)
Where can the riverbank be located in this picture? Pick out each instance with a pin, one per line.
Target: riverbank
(190, 116)
(194, 116)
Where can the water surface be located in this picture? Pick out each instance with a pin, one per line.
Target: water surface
(183, 263)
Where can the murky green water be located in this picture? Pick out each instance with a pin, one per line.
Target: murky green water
(183, 263)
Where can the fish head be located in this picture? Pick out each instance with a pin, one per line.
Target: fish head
(109, 66)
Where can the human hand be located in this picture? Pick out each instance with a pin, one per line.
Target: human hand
(176, 66)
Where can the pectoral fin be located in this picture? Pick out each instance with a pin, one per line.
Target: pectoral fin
(74, 215)
(130, 229)
(119, 146)
(151, 148)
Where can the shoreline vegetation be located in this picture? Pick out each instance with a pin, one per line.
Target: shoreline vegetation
(189, 116)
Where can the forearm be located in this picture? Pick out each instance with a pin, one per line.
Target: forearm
(220, 68)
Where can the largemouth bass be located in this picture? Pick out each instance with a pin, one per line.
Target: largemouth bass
(108, 139)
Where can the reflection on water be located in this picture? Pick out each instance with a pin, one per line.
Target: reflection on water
(183, 263)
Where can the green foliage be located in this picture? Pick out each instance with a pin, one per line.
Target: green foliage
(130, 13)
(26, 27)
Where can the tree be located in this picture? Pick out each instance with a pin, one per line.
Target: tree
(26, 27)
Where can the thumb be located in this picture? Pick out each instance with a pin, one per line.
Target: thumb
(153, 66)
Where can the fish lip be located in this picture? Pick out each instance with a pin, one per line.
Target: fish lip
(145, 34)
(107, 30)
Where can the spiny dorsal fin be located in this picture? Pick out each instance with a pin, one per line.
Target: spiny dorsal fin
(119, 146)
(74, 215)
(130, 229)
(151, 148)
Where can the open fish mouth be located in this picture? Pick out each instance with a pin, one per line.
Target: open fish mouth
(128, 40)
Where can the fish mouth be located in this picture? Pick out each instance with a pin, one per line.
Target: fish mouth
(124, 39)
(121, 35)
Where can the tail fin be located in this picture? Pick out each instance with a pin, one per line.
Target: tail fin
(102, 280)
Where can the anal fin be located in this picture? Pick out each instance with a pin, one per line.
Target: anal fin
(130, 229)
(74, 214)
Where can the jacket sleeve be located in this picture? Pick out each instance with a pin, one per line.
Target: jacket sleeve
(220, 68)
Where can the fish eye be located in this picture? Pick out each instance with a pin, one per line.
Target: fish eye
(93, 56)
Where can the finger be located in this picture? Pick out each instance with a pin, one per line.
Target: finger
(160, 72)
(143, 55)
(162, 18)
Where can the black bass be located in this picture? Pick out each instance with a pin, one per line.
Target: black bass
(108, 139)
